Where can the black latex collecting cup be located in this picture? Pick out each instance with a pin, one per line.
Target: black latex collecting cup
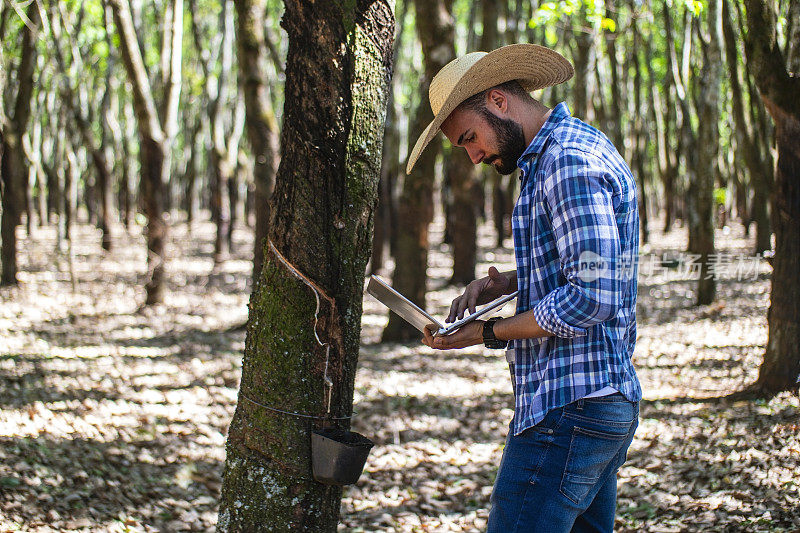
(338, 456)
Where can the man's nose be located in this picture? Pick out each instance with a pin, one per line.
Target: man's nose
(475, 155)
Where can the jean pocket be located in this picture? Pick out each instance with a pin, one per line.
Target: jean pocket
(589, 454)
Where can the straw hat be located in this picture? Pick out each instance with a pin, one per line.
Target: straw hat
(534, 66)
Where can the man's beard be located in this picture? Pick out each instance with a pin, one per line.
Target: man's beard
(510, 142)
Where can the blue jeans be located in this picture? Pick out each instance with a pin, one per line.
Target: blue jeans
(561, 475)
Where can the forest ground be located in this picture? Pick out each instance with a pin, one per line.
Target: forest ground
(114, 419)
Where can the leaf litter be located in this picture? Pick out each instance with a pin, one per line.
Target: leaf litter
(113, 418)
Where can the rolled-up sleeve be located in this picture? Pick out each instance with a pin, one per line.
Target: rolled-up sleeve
(579, 194)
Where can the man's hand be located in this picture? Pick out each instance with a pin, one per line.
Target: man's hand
(480, 291)
(469, 335)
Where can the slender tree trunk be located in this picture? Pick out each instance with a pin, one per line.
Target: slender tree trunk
(464, 224)
(435, 27)
(8, 252)
(615, 114)
(502, 203)
(234, 199)
(781, 367)
(220, 204)
(749, 148)
(126, 185)
(391, 167)
(462, 177)
(262, 127)
(701, 190)
(639, 140)
(500, 184)
(13, 172)
(677, 109)
(71, 179)
(155, 132)
(321, 232)
(581, 59)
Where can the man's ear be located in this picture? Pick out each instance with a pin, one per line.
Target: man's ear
(497, 100)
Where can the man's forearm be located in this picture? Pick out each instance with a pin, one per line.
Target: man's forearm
(521, 326)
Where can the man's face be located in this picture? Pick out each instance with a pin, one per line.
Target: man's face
(487, 137)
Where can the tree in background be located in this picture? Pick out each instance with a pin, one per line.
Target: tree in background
(337, 73)
(700, 194)
(14, 169)
(262, 127)
(75, 100)
(750, 138)
(777, 74)
(435, 27)
(157, 127)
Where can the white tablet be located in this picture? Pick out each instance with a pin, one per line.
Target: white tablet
(416, 316)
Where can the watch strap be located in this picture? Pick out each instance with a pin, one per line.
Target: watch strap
(489, 338)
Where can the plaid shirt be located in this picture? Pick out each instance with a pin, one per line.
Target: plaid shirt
(576, 240)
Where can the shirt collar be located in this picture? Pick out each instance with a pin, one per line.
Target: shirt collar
(559, 113)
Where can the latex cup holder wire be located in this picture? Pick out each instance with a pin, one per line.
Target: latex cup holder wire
(338, 456)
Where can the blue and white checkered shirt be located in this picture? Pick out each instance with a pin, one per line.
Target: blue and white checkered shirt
(576, 241)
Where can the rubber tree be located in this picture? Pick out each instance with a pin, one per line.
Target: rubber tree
(462, 180)
(224, 114)
(779, 84)
(391, 166)
(700, 192)
(757, 160)
(75, 101)
(262, 127)
(337, 73)
(435, 27)
(13, 166)
(502, 186)
(156, 127)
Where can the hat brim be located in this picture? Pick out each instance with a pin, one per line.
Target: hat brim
(534, 66)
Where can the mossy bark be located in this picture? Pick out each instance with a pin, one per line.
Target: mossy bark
(337, 72)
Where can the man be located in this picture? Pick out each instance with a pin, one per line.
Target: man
(569, 346)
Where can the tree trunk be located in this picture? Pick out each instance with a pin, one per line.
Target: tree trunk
(639, 140)
(464, 224)
(13, 172)
(10, 206)
(262, 128)
(220, 204)
(462, 177)
(781, 367)
(748, 147)
(500, 184)
(615, 114)
(700, 195)
(581, 59)
(234, 198)
(190, 174)
(337, 72)
(436, 28)
(155, 137)
(391, 166)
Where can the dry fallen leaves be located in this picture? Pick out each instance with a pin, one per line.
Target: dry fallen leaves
(114, 420)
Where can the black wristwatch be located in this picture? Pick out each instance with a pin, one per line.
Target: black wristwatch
(489, 340)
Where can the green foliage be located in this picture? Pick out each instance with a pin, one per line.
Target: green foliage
(720, 195)
(582, 12)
